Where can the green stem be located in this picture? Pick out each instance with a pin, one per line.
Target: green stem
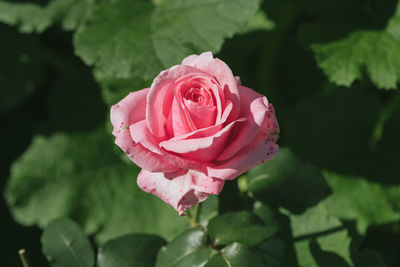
(193, 220)
(196, 214)
(24, 258)
(385, 115)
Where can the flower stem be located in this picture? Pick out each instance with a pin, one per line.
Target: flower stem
(196, 214)
(193, 220)
(24, 258)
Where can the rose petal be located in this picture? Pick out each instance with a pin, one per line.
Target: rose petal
(184, 114)
(202, 145)
(250, 157)
(180, 190)
(142, 156)
(129, 110)
(238, 81)
(220, 103)
(175, 123)
(227, 111)
(141, 134)
(203, 183)
(204, 83)
(160, 98)
(203, 59)
(254, 107)
(222, 73)
(262, 148)
(202, 116)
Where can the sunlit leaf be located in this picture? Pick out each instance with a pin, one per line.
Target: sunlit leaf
(366, 202)
(30, 17)
(81, 177)
(377, 51)
(121, 45)
(320, 238)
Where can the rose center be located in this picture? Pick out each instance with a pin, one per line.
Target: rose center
(197, 95)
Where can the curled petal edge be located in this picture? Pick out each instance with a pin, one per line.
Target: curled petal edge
(182, 189)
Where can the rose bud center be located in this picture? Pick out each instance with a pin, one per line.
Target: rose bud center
(198, 95)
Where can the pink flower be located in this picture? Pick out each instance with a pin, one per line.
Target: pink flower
(194, 128)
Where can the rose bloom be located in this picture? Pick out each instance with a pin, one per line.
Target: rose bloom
(194, 128)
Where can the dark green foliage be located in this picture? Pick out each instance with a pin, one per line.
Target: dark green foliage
(130, 250)
(65, 245)
(287, 182)
(242, 226)
(331, 198)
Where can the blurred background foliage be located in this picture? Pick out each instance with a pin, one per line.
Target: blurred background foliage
(331, 69)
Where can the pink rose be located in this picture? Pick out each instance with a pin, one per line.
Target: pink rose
(194, 128)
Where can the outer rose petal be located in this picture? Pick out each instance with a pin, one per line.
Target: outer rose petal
(143, 157)
(180, 190)
(130, 110)
(222, 73)
(254, 107)
(250, 157)
(141, 134)
(262, 148)
(199, 146)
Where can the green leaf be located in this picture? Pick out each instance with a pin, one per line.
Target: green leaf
(134, 250)
(235, 255)
(80, 176)
(113, 89)
(190, 248)
(259, 21)
(17, 14)
(65, 245)
(242, 226)
(208, 210)
(285, 181)
(29, 17)
(337, 139)
(366, 202)
(368, 258)
(378, 52)
(20, 70)
(272, 251)
(121, 45)
(326, 258)
(196, 259)
(265, 213)
(332, 240)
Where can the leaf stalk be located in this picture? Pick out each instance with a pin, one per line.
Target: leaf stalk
(24, 258)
